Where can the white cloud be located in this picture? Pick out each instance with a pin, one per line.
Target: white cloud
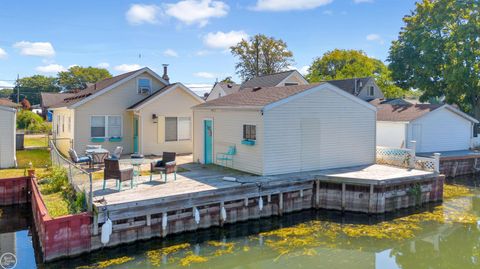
(284, 5)
(203, 52)
(362, 1)
(35, 48)
(196, 11)
(221, 40)
(126, 67)
(6, 84)
(199, 89)
(103, 65)
(204, 75)
(140, 14)
(3, 54)
(51, 68)
(170, 53)
(375, 38)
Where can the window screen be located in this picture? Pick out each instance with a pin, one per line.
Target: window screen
(97, 126)
(171, 129)
(184, 125)
(114, 126)
(249, 132)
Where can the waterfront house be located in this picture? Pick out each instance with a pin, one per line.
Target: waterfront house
(363, 88)
(435, 128)
(49, 99)
(139, 110)
(8, 126)
(277, 130)
(285, 78)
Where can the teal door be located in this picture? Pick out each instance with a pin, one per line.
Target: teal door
(208, 141)
(135, 135)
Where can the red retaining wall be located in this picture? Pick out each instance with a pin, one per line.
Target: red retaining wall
(58, 237)
(14, 191)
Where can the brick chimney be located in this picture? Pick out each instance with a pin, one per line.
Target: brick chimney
(165, 73)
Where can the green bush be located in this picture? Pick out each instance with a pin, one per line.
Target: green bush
(56, 180)
(32, 122)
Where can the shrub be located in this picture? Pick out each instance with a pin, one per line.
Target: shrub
(32, 122)
(57, 179)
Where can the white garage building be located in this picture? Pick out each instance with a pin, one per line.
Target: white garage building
(7, 136)
(279, 130)
(435, 128)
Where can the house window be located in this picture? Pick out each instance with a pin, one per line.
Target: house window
(63, 123)
(249, 132)
(144, 86)
(177, 128)
(69, 124)
(371, 91)
(106, 126)
(57, 124)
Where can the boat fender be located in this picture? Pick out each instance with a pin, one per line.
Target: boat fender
(223, 213)
(260, 203)
(164, 221)
(106, 231)
(196, 215)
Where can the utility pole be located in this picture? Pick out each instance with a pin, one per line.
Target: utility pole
(18, 89)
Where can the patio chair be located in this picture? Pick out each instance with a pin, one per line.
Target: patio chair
(117, 153)
(166, 165)
(113, 171)
(79, 160)
(225, 157)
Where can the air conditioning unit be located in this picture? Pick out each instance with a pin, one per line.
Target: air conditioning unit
(144, 90)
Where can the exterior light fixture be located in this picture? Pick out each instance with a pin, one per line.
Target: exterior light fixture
(155, 118)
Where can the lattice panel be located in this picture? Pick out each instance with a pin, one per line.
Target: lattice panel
(393, 156)
(425, 163)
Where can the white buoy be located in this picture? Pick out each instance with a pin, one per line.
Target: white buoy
(164, 221)
(223, 213)
(260, 203)
(106, 232)
(196, 214)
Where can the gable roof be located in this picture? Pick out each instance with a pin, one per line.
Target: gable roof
(348, 85)
(162, 91)
(228, 88)
(52, 98)
(8, 103)
(103, 86)
(267, 80)
(389, 112)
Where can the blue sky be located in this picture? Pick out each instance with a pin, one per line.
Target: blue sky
(191, 35)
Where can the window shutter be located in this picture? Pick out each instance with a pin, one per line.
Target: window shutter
(161, 130)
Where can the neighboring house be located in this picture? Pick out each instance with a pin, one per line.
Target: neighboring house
(222, 89)
(292, 129)
(138, 110)
(434, 127)
(363, 88)
(7, 133)
(286, 78)
(48, 99)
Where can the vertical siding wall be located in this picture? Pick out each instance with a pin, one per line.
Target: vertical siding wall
(319, 131)
(65, 134)
(441, 130)
(115, 102)
(174, 104)
(391, 134)
(7, 138)
(228, 131)
(364, 93)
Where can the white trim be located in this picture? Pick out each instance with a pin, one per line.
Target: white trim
(453, 110)
(116, 84)
(9, 109)
(106, 125)
(175, 86)
(294, 72)
(323, 86)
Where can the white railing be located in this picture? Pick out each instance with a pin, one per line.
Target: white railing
(406, 157)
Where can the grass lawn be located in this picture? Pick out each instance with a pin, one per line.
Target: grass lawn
(39, 157)
(37, 141)
(56, 204)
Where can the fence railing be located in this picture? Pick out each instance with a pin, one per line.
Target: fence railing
(80, 179)
(406, 157)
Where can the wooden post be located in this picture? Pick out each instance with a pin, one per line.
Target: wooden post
(344, 187)
(317, 193)
(222, 207)
(280, 203)
(269, 198)
(370, 199)
(246, 201)
(149, 220)
(413, 149)
(437, 162)
(164, 224)
(301, 193)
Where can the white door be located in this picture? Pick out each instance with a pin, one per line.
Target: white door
(417, 136)
(310, 145)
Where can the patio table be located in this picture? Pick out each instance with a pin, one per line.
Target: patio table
(137, 165)
(98, 155)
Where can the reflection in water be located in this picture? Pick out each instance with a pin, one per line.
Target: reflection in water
(439, 236)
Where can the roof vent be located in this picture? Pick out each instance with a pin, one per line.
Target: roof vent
(229, 86)
(257, 89)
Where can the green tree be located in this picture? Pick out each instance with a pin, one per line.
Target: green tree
(77, 77)
(438, 52)
(344, 64)
(261, 55)
(228, 80)
(31, 87)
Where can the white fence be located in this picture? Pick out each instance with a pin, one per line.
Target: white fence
(80, 179)
(407, 158)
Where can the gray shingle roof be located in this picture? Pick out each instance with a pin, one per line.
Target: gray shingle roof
(52, 98)
(229, 88)
(257, 98)
(388, 112)
(8, 103)
(152, 96)
(348, 85)
(266, 80)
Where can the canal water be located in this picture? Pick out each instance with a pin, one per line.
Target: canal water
(437, 236)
